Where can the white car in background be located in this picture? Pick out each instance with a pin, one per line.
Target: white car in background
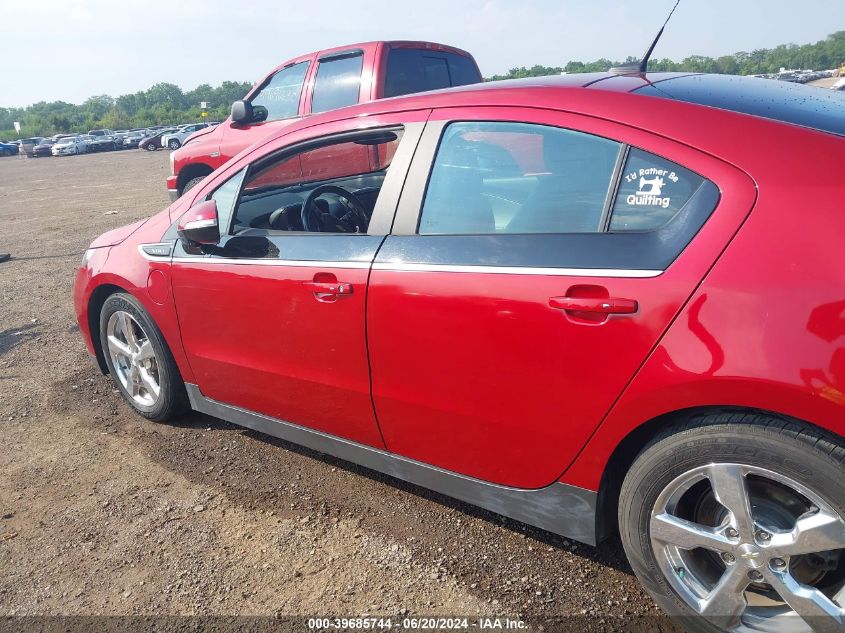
(175, 139)
(70, 145)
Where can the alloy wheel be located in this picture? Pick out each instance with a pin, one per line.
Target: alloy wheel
(133, 358)
(751, 550)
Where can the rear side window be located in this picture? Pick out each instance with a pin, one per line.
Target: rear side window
(651, 192)
(338, 82)
(280, 97)
(520, 178)
(412, 70)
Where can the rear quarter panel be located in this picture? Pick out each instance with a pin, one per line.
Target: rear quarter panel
(766, 328)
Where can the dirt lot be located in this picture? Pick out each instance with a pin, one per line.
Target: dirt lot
(105, 513)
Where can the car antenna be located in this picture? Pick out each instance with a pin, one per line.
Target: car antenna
(642, 65)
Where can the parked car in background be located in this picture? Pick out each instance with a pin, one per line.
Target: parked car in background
(26, 145)
(104, 143)
(44, 148)
(69, 145)
(576, 301)
(132, 138)
(317, 82)
(8, 149)
(118, 136)
(153, 142)
(174, 140)
(99, 132)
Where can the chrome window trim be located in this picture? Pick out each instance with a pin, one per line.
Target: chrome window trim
(517, 270)
(236, 261)
(437, 268)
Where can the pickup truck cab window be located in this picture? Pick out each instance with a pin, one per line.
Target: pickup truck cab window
(280, 96)
(417, 70)
(338, 81)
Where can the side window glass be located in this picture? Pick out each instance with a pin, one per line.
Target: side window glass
(280, 97)
(416, 70)
(225, 197)
(651, 192)
(338, 82)
(497, 177)
(349, 173)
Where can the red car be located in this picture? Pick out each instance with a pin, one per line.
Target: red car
(317, 82)
(590, 303)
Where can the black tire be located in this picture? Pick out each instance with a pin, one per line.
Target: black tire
(803, 453)
(172, 399)
(193, 182)
(174, 143)
(151, 147)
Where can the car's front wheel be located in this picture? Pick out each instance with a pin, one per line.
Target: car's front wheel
(193, 182)
(174, 143)
(736, 522)
(150, 147)
(139, 360)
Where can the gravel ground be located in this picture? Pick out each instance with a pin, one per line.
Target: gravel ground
(105, 513)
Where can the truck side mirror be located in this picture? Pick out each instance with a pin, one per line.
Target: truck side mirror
(242, 111)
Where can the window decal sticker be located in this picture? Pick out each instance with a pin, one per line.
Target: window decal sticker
(652, 181)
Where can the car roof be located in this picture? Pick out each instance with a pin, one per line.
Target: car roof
(579, 92)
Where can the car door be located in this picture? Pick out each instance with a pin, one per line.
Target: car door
(272, 317)
(278, 100)
(536, 259)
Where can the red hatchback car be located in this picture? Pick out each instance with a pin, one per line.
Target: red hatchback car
(591, 303)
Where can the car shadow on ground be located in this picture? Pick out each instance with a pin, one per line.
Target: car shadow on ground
(13, 337)
(609, 553)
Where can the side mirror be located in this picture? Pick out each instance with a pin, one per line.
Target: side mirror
(242, 111)
(199, 224)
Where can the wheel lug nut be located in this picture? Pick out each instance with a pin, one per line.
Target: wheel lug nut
(731, 533)
(778, 563)
(762, 535)
(729, 558)
(755, 575)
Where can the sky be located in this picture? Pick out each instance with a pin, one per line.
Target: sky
(70, 50)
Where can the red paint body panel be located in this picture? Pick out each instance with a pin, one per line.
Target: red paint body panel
(258, 338)
(123, 266)
(766, 329)
(476, 372)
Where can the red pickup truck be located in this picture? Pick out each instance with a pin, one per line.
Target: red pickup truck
(316, 82)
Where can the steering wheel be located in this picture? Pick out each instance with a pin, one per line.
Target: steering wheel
(353, 221)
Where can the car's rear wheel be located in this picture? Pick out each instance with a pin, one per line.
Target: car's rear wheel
(139, 360)
(174, 143)
(736, 522)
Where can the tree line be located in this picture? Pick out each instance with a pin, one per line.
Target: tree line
(823, 55)
(166, 103)
(162, 104)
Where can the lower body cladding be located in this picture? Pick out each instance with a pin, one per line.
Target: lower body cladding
(565, 510)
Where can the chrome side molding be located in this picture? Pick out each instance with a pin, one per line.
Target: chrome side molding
(565, 510)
